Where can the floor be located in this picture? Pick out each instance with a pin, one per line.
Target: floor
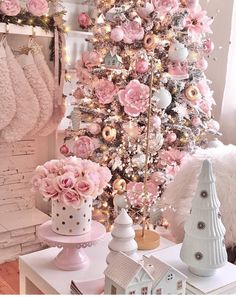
(9, 278)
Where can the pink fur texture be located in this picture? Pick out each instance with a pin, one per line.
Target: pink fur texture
(180, 192)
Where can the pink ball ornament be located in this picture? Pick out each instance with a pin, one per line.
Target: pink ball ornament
(64, 150)
(208, 46)
(196, 121)
(141, 66)
(171, 137)
(156, 122)
(117, 34)
(202, 64)
(94, 128)
(158, 178)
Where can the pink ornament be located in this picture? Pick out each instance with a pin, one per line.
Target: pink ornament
(214, 125)
(64, 150)
(105, 91)
(134, 98)
(208, 46)
(146, 10)
(158, 178)
(132, 129)
(94, 128)
(132, 31)
(171, 137)
(84, 147)
(10, 7)
(202, 64)
(91, 59)
(84, 20)
(37, 7)
(165, 6)
(141, 66)
(196, 121)
(117, 34)
(156, 122)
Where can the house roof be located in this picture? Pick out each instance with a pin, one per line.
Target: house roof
(158, 269)
(122, 269)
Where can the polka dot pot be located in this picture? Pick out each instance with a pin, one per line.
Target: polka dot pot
(69, 221)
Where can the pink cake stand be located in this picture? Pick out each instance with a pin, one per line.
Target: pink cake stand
(72, 255)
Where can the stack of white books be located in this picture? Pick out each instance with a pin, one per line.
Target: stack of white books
(222, 282)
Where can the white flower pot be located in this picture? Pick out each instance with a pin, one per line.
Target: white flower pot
(69, 221)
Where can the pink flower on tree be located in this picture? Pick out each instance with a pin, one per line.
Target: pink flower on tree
(10, 7)
(91, 59)
(105, 91)
(132, 31)
(72, 198)
(37, 7)
(198, 23)
(137, 197)
(165, 6)
(172, 156)
(84, 147)
(134, 98)
(84, 20)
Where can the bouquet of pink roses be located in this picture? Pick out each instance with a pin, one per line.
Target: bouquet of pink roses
(70, 180)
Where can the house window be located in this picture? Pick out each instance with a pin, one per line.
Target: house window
(113, 290)
(132, 293)
(144, 291)
(170, 276)
(179, 285)
(158, 291)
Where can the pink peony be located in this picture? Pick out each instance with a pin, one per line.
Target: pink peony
(84, 20)
(10, 7)
(86, 188)
(72, 198)
(91, 59)
(105, 91)
(84, 147)
(134, 98)
(136, 196)
(65, 181)
(165, 6)
(132, 31)
(198, 23)
(47, 189)
(37, 7)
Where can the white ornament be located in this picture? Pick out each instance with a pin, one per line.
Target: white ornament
(203, 248)
(123, 237)
(120, 201)
(162, 97)
(139, 159)
(178, 52)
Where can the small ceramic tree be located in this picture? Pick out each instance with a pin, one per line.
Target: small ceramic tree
(123, 237)
(203, 248)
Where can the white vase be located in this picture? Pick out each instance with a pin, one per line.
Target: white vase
(69, 221)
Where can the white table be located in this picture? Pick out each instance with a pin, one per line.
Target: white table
(38, 272)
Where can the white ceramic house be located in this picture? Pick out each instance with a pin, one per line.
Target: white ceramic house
(166, 279)
(124, 276)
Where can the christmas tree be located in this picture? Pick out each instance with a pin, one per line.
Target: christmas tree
(203, 248)
(143, 100)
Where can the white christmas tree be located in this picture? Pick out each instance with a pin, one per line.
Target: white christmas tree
(203, 248)
(123, 237)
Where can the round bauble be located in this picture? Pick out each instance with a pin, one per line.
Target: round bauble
(119, 185)
(156, 122)
(178, 52)
(146, 10)
(150, 41)
(162, 97)
(64, 150)
(158, 178)
(192, 93)
(171, 137)
(208, 46)
(120, 201)
(141, 66)
(109, 134)
(202, 64)
(94, 128)
(117, 34)
(138, 160)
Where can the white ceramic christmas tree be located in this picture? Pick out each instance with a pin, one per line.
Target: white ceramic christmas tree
(203, 248)
(123, 237)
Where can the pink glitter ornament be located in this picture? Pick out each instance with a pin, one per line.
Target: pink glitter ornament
(171, 137)
(117, 34)
(141, 66)
(202, 64)
(208, 46)
(64, 150)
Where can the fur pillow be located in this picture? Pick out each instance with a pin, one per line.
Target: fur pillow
(180, 192)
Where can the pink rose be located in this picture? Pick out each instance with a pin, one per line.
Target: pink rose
(37, 7)
(72, 198)
(65, 181)
(132, 31)
(134, 98)
(47, 189)
(36, 183)
(165, 6)
(84, 147)
(91, 59)
(55, 166)
(105, 91)
(10, 7)
(86, 188)
(41, 172)
(84, 20)
(136, 196)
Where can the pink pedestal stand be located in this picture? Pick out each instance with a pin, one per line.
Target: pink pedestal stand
(72, 256)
